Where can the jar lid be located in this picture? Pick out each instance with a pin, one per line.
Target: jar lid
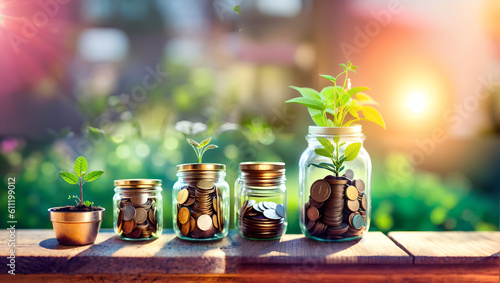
(262, 166)
(138, 183)
(263, 174)
(201, 167)
(351, 130)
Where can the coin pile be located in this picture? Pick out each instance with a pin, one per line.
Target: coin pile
(337, 207)
(263, 220)
(137, 220)
(199, 210)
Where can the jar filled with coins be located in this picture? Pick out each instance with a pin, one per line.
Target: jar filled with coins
(261, 200)
(201, 202)
(335, 206)
(138, 209)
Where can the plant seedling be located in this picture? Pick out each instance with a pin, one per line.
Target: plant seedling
(338, 101)
(332, 151)
(80, 177)
(200, 148)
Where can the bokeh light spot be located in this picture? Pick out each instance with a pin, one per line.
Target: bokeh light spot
(416, 103)
(123, 151)
(142, 150)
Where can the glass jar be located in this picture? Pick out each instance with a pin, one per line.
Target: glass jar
(334, 208)
(201, 202)
(260, 203)
(138, 209)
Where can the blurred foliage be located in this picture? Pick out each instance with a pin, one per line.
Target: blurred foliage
(129, 139)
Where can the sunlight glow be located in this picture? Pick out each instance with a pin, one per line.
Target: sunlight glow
(416, 103)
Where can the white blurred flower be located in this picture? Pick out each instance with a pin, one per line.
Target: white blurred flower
(348, 84)
(190, 128)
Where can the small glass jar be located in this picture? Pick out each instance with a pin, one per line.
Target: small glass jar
(261, 200)
(201, 202)
(138, 209)
(335, 208)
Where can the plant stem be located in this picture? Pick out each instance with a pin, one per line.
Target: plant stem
(81, 192)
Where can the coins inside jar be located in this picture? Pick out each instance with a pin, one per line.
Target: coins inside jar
(262, 220)
(137, 220)
(337, 211)
(199, 210)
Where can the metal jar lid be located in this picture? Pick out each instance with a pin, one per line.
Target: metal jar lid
(137, 183)
(262, 174)
(201, 167)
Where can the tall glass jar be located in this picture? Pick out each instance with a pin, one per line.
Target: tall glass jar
(138, 209)
(201, 202)
(335, 208)
(260, 203)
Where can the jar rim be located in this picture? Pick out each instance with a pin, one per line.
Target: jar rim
(137, 183)
(351, 130)
(201, 167)
(262, 166)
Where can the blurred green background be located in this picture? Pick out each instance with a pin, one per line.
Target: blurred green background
(125, 82)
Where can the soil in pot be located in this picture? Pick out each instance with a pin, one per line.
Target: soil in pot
(74, 208)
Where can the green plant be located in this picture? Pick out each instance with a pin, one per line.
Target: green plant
(80, 177)
(200, 148)
(338, 101)
(332, 152)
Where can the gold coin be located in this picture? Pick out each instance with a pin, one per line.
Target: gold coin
(185, 228)
(352, 193)
(215, 220)
(182, 196)
(220, 213)
(190, 201)
(128, 213)
(184, 216)
(364, 202)
(192, 224)
(152, 215)
(353, 205)
(128, 226)
(204, 222)
(140, 215)
(205, 185)
(119, 221)
(214, 203)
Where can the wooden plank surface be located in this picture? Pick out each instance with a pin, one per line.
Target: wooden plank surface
(450, 247)
(37, 251)
(374, 248)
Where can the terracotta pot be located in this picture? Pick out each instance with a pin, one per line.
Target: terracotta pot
(76, 228)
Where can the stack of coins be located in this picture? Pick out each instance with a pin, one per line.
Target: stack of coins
(137, 220)
(337, 207)
(263, 220)
(199, 210)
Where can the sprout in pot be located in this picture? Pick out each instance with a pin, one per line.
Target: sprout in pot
(78, 224)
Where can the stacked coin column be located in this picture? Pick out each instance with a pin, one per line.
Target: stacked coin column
(201, 202)
(261, 200)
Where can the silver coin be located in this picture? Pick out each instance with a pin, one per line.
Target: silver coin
(280, 210)
(251, 202)
(256, 207)
(271, 204)
(271, 214)
(266, 204)
(261, 206)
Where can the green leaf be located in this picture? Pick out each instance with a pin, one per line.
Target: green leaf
(237, 9)
(69, 177)
(308, 102)
(323, 152)
(307, 92)
(322, 167)
(340, 170)
(205, 142)
(89, 203)
(353, 113)
(352, 150)
(192, 142)
(343, 66)
(328, 93)
(328, 77)
(93, 175)
(80, 166)
(327, 145)
(212, 146)
(357, 89)
(373, 115)
(341, 144)
(317, 116)
(365, 99)
(330, 123)
(327, 165)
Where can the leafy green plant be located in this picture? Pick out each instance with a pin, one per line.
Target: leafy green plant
(200, 148)
(332, 151)
(80, 177)
(337, 101)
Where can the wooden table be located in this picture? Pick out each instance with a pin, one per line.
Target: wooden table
(400, 256)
